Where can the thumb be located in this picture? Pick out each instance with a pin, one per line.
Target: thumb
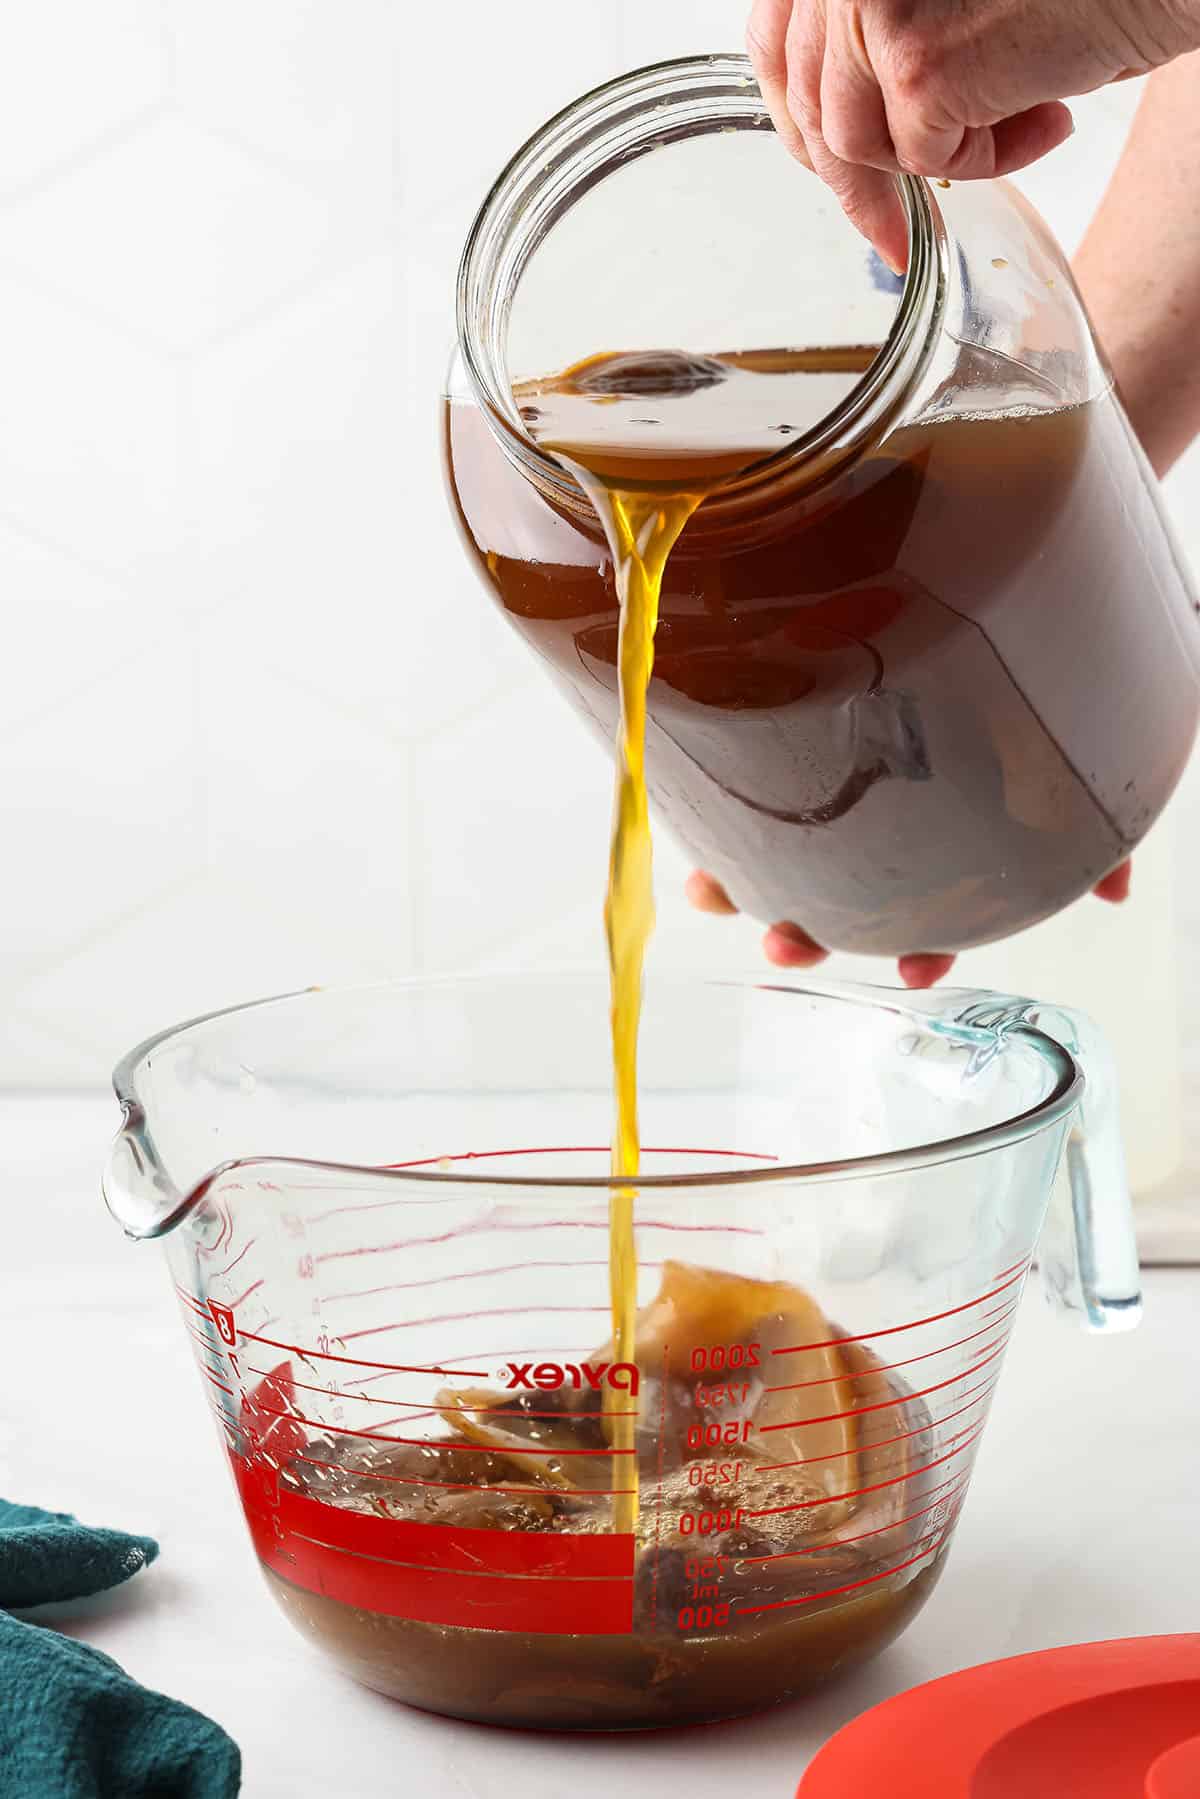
(980, 152)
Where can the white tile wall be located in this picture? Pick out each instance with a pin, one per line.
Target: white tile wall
(258, 725)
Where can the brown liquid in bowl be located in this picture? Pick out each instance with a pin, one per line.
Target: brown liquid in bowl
(602, 1683)
(758, 1571)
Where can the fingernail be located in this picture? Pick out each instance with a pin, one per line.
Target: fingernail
(924, 970)
(789, 947)
(794, 934)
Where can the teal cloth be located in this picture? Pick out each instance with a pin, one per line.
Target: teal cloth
(72, 1723)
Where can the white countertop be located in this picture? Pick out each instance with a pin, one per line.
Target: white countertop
(1082, 1521)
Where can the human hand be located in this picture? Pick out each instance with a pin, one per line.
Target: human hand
(962, 89)
(787, 946)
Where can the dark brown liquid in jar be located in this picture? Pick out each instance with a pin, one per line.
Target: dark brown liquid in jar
(914, 703)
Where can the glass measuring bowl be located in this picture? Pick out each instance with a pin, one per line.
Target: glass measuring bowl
(385, 1213)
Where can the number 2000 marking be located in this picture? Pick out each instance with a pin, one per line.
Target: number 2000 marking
(716, 1356)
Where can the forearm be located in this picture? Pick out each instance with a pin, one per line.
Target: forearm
(1139, 265)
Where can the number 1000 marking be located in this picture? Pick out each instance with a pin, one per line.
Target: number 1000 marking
(710, 1524)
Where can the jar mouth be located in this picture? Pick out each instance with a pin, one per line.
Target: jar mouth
(612, 125)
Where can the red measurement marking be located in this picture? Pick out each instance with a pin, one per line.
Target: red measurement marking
(808, 1505)
(324, 1355)
(344, 1430)
(471, 1274)
(220, 1274)
(1011, 1269)
(579, 1354)
(458, 1232)
(432, 1411)
(218, 1406)
(851, 1586)
(207, 1342)
(892, 1330)
(282, 1432)
(243, 1297)
(209, 1250)
(886, 1404)
(662, 1431)
(982, 1393)
(456, 1486)
(408, 1324)
(537, 1581)
(191, 1299)
(883, 1405)
(482, 1155)
(959, 1483)
(216, 1382)
(575, 1149)
(827, 1380)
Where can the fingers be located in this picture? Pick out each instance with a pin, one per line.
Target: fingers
(869, 200)
(787, 946)
(924, 970)
(979, 152)
(868, 196)
(766, 38)
(853, 117)
(707, 895)
(1028, 136)
(856, 121)
(1115, 886)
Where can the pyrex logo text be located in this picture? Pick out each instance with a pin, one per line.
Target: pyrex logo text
(548, 1377)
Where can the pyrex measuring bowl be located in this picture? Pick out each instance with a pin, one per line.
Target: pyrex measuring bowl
(385, 1214)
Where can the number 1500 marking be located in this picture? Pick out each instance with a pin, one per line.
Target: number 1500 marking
(711, 1436)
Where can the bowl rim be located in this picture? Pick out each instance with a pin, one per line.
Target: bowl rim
(946, 1013)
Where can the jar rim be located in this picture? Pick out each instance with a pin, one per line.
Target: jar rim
(612, 124)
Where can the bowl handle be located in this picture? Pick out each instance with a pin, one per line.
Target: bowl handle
(1087, 1253)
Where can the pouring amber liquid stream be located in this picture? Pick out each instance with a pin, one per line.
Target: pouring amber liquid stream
(646, 476)
(641, 533)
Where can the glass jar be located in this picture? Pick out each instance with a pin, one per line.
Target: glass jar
(927, 673)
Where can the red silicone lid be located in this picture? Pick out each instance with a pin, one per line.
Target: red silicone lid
(1114, 1720)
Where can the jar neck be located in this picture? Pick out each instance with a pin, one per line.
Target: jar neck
(606, 129)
